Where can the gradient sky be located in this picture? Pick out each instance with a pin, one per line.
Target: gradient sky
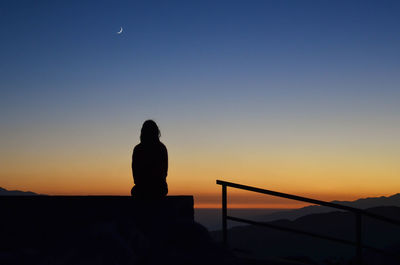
(295, 96)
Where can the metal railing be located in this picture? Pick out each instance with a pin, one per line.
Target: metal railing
(358, 214)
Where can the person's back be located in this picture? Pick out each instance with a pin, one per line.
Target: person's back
(150, 164)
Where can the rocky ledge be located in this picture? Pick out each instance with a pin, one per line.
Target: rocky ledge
(104, 230)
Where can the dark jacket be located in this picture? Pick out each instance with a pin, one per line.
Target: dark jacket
(149, 168)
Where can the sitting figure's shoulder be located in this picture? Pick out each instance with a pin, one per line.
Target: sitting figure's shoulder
(138, 147)
(163, 146)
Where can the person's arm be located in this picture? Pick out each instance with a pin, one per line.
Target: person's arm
(133, 165)
(165, 162)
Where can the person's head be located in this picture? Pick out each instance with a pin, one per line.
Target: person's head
(150, 132)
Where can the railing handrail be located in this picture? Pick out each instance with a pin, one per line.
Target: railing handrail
(358, 213)
(309, 200)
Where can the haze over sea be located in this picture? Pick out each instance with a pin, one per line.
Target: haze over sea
(211, 218)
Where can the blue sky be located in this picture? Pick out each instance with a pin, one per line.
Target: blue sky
(176, 51)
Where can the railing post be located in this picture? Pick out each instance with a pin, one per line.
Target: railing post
(224, 214)
(358, 239)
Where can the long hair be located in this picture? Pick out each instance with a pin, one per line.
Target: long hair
(150, 132)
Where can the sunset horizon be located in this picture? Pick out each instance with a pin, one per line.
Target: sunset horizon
(240, 200)
(298, 97)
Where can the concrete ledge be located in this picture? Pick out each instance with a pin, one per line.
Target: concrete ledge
(27, 218)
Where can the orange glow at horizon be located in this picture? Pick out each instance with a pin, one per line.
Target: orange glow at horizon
(321, 169)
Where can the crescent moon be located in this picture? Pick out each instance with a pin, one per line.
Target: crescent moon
(120, 31)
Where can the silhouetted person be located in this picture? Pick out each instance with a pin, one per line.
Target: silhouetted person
(150, 164)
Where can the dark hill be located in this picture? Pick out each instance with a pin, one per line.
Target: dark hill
(363, 203)
(265, 242)
(4, 192)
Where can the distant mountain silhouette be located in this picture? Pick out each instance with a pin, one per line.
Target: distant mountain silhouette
(363, 203)
(4, 192)
(263, 242)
